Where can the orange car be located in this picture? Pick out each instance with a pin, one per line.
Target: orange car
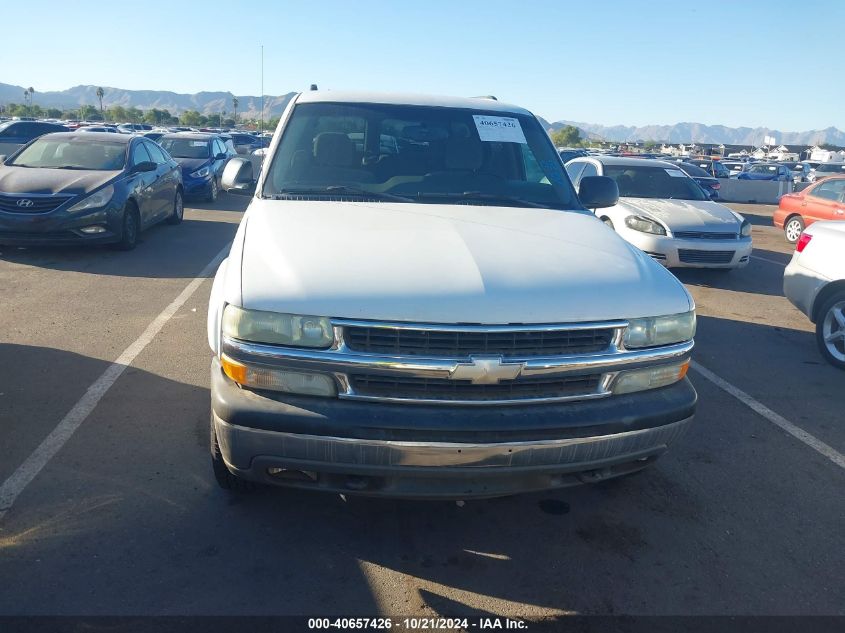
(823, 200)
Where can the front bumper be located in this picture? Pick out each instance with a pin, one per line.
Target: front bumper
(667, 250)
(196, 187)
(441, 452)
(59, 228)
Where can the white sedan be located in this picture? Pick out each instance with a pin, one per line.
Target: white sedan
(667, 214)
(814, 281)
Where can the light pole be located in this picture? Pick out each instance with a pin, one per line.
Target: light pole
(261, 128)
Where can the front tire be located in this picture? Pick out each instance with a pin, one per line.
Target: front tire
(222, 475)
(178, 209)
(131, 228)
(830, 330)
(793, 228)
(213, 192)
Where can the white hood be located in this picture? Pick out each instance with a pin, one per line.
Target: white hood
(684, 215)
(446, 264)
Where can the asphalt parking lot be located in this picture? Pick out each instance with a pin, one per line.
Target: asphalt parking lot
(741, 517)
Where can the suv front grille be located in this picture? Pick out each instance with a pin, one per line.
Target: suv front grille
(439, 389)
(462, 343)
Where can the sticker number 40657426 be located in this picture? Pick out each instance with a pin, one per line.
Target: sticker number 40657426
(499, 129)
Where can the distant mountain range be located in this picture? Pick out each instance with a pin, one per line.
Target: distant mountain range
(249, 106)
(700, 133)
(203, 102)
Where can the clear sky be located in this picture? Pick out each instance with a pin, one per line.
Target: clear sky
(772, 63)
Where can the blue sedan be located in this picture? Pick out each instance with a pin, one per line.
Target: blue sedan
(202, 158)
(766, 171)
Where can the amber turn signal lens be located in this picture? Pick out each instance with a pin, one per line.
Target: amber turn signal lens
(233, 369)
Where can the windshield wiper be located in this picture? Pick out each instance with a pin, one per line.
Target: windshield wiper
(70, 167)
(337, 190)
(480, 195)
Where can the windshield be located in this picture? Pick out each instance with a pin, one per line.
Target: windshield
(185, 147)
(75, 153)
(763, 169)
(694, 171)
(640, 181)
(418, 153)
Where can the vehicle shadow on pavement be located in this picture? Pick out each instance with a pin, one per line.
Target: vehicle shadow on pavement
(127, 519)
(224, 202)
(163, 252)
(768, 280)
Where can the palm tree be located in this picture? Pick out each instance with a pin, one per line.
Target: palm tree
(100, 94)
(31, 95)
(235, 108)
(26, 98)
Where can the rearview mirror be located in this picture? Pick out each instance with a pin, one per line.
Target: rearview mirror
(237, 177)
(144, 166)
(598, 192)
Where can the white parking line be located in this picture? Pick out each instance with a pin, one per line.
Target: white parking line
(771, 261)
(778, 420)
(53, 443)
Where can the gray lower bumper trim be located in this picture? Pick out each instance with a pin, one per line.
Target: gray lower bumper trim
(240, 445)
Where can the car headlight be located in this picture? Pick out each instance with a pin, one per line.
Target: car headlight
(662, 330)
(745, 229)
(644, 225)
(200, 173)
(275, 328)
(649, 378)
(304, 383)
(97, 199)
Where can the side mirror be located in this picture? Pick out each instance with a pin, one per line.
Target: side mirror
(237, 177)
(220, 156)
(598, 192)
(145, 166)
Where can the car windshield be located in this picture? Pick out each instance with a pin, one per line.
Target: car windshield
(185, 147)
(418, 154)
(694, 171)
(763, 169)
(5, 124)
(641, 181)
(64, 153)
(831, 167)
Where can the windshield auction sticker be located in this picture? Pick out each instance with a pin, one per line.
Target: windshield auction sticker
(499, 129)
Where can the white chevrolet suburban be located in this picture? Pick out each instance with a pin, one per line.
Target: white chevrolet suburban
(418, 304)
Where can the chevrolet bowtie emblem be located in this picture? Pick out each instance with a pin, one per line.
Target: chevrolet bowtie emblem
(486, 371)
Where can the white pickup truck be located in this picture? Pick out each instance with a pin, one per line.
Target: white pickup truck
(418, 304)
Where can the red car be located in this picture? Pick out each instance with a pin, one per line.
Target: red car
(823, 200)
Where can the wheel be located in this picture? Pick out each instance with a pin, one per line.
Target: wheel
(178, 209)
(608, 222)
(131, 228)
(212, 194)
(793, 228)
(222, 475)
(830, 330)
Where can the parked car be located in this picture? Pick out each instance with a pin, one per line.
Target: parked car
(568, 153)
(800, 171)
(247, 143)
(824, 170)
(766, 171)
(710, 184)
(823, 200)
(16, 134)
(446, 281)
(735, 167)
(134, 128)
(75, 188)
(814, 281)
(666, 214)
(714, 168)
(202, 158)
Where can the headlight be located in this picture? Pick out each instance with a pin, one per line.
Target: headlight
(276, 328)
(662, 330)
(304, 383)
(644, 225)
(649, 378)
(200, 173)
(745, 229)
(97, 199)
